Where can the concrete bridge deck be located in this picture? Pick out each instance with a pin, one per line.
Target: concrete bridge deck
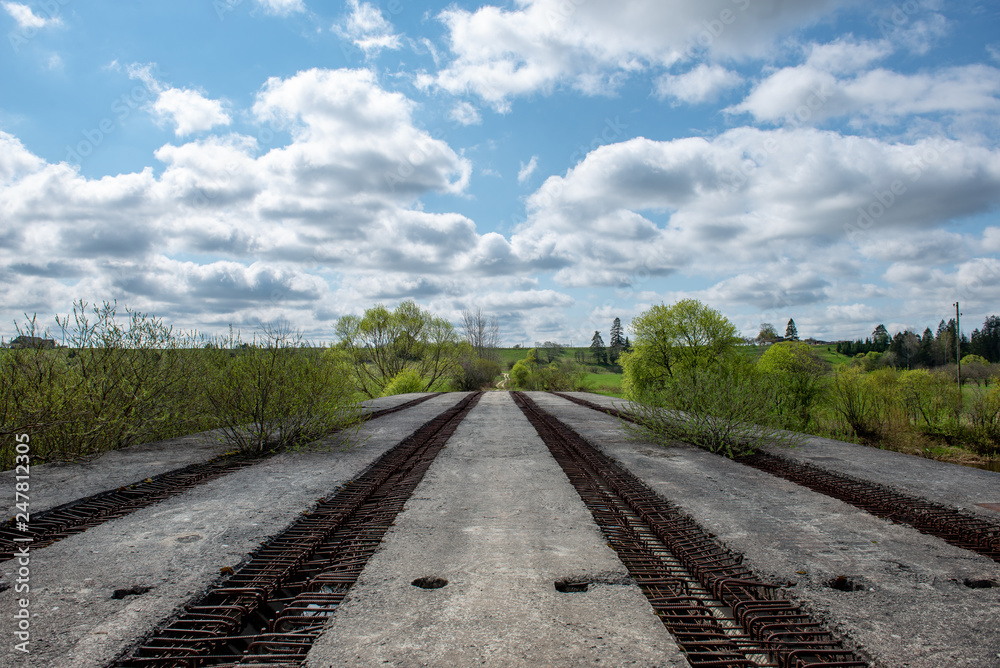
(495, 517)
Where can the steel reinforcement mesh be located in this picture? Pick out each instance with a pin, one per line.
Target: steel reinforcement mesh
(959, 528)
(77, 516)
(272, 609)
(720, 613)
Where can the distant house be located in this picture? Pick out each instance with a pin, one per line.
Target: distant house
(33, 342)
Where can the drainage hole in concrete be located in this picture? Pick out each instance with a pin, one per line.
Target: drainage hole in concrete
(131, 591)
(844, 583)
(981, 584)
(571, 586)
(429, 583)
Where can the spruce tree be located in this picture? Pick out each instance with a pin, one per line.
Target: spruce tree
(597, 348)
(791, 332)
(617, 344)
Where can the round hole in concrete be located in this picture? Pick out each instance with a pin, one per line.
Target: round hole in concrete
(980, 584)
(138, 590)
(429, 582)
(571, 585)
(844, 583)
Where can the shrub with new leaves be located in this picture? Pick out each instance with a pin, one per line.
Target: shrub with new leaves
(276, 391)
(686, 381)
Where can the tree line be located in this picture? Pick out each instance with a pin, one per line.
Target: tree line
(930, 349)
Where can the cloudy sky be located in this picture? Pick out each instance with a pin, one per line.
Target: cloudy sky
(557, 163)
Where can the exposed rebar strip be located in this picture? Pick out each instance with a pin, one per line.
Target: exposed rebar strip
(720, 613)
(77, 516)
(272, 609)
(952, 525)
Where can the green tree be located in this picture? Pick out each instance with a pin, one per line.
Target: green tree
(617, 344)
(379, 345)
(791, 331)
(597, 348)
(880, 339)
(767, 333)
(799, 373)
(673, 339)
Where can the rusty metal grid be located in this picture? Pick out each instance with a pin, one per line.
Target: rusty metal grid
(720, 613)
(77, 516)
(961, 529)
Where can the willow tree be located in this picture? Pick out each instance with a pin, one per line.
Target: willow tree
(382, 344)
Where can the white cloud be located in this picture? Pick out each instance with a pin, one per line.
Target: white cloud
(592, 46)
(15, 160)
(26, 18)
(341, 196)
(466, 114)
(281, 7)
(368, 29)
(648, 208)
(847, 55)
(704, 83)
(189, 111)
(807, 94)
(527, 170)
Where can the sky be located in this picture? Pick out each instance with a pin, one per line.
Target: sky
(556, 163)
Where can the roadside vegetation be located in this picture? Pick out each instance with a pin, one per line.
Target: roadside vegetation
(123, 379)
(689, 377)
(119, 377)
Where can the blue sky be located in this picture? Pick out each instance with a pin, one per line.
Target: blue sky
(558, 163)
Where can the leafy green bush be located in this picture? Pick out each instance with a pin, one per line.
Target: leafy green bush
(116, 385)
(558, 376)
(869, 403)
(405, 382)
(277, 391)
(799, 374)
(985, 417)
(932, 398)
(475, 373)
(726, 408)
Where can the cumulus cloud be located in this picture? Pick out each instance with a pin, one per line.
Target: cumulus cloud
(341, 196)
(189, 111)
(592, 46)
(644, 207)
(367, 28)
(526, 170)
(704, 83)
(807, 93)
(26, 18)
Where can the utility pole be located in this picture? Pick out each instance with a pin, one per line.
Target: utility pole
(958, 350)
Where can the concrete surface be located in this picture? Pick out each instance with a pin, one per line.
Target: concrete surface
(954, 485)
(913, 609)
(58, 483)
(496, 517)
(176, 547)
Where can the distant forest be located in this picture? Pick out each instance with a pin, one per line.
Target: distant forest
(930, 349)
